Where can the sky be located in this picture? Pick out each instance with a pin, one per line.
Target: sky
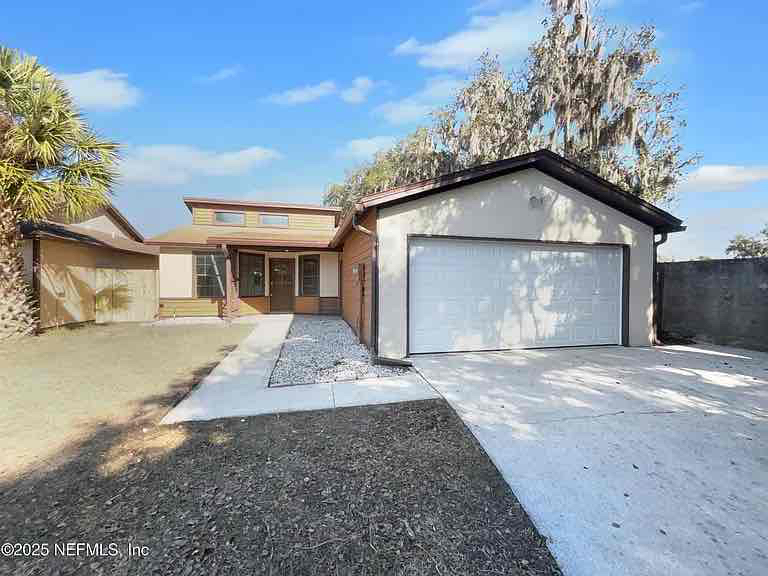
(275, 101)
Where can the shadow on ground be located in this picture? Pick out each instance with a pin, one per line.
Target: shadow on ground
(396, 489)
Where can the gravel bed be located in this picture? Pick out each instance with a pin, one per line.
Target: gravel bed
(402, 489)
(324, 349)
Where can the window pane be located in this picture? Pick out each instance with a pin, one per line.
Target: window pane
(210, 275)
(310, 275)
(229, 218)
(273, 219)
(251, 274)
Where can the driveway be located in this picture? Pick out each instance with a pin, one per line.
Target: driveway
(630, 460)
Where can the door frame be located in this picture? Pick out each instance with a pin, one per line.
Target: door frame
(625, 252)
(292, 264)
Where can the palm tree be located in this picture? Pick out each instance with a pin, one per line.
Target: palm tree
(51, 163)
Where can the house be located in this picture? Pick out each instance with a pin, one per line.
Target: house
(94, 269)
(528, 252)
(239, 258)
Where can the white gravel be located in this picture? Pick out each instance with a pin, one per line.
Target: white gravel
(324, 349)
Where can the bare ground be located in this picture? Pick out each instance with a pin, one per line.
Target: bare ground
(396, 489)
(67, 384)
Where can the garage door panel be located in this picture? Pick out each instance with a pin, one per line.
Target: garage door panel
(487, 295)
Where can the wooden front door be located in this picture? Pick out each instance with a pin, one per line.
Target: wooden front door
(281, 290)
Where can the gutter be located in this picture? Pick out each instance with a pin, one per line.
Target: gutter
(374, 281)
(658, 291)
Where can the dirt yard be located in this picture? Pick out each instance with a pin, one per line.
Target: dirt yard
(66, 385)
(402, 489)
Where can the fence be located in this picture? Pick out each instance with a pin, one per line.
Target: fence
(717, 301)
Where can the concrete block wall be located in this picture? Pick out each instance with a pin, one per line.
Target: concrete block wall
(717, 301)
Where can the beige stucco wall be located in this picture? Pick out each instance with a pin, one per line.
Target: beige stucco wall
(501, 208)
(176, 274)
(329, 274)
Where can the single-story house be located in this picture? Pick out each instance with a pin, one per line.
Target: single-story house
(95, 269)
(528, 252)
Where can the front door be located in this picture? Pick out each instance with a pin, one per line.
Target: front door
(281, 291)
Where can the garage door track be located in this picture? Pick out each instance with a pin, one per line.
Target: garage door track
(630, 460)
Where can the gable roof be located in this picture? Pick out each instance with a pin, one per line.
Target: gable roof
(545, 161)
(84, 235)
(127, 227)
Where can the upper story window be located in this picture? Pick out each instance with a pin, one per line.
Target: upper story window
(232, 218)
(273, 220)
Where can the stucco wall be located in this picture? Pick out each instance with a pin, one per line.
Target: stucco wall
(176, 275)
(501, 208)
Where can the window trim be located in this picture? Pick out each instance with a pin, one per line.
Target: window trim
(286, 225)
(303, 258)
(194, 275)
(240, 212)
(263, 274)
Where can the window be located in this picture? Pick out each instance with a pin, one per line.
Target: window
(273, 220)
(232, 218)
(251, 274)
(310, 275)
(210, 275)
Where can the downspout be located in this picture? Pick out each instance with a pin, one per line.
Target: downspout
(374, 281)
(658, 304)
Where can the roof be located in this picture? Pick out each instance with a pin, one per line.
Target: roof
(545, 161)
(190, 200)
(201, 235)
(123, 221)
(86, 236)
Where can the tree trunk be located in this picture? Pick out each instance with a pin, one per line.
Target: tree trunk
(18, 315)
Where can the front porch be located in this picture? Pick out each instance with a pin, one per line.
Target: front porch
(242, 280)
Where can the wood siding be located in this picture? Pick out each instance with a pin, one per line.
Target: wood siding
(178, 307)
(253, 305)
(357, 255)
(307, 305)
(82, 283)
(329, 306)
(296, 220)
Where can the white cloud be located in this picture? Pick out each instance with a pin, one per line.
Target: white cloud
(178, 164)
(101, 89)
(416, 107)
(506, 34)
(359, 90)
(365, 148)
(710, 231)
(222, 74)
(303, 94)
(716, 177)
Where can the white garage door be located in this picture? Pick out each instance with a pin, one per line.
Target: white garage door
(467, 295)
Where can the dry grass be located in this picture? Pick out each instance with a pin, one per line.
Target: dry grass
(61, 386)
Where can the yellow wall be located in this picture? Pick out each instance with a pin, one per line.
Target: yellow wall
(83, 283)
(304, 221)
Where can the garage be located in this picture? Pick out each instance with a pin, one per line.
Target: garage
(472, 294)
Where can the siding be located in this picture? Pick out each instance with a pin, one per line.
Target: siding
(172, 307)
(306, 304)
(83, 283)
(297, 220)
(358, 252)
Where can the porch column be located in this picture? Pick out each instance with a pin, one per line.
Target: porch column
(228, 284)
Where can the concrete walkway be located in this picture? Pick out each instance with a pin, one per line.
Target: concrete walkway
(238, 386)
(631, 461)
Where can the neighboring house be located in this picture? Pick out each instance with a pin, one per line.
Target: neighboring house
(94, 269)
(241, 258)
(528, 252)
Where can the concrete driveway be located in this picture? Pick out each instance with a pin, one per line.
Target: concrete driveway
(630, 460)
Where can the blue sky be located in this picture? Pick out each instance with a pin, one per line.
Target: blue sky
(273, 101)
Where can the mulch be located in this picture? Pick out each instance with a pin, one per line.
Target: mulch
(396, 489)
